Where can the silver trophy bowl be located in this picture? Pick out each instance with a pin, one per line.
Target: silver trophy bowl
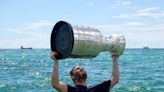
(83, 42)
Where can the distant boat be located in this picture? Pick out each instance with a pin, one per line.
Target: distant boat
(26, 48)
(145, 47)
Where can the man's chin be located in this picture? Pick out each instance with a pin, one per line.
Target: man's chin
(80, 77)
(80, 81)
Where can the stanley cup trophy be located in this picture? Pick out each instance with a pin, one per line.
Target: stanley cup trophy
(83, 42)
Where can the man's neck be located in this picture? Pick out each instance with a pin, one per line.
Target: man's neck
(80, 83)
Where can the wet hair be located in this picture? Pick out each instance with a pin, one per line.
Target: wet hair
(71, 73)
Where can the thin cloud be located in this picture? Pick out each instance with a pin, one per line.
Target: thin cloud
(122, 16)
(34, 34)
(148, 9)
(153, 12)
(121, 3)
(135, 24)
(91, 4)
(137, 34)
(32, 41)
(126, 3)
(31, 27)
(131, 27)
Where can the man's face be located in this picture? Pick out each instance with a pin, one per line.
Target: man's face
(79, 74)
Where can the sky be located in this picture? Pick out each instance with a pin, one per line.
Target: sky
(30, 22)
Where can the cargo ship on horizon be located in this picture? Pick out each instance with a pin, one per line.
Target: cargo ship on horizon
(145, 47)
(25, 48)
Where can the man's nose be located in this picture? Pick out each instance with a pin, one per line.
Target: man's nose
(81, 69)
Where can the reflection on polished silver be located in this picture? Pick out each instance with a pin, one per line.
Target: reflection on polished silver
(87, 42)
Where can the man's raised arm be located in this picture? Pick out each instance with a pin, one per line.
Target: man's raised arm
(115, 71)
(55, 77)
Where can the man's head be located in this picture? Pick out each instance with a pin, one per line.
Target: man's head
(78, 74)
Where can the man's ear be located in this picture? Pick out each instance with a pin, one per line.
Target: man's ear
(72, 77)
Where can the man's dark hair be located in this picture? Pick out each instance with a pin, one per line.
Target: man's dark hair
(71, 73)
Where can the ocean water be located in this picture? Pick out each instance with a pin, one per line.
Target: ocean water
(30, 70)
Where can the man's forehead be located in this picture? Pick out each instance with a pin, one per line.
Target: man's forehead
(77, 66)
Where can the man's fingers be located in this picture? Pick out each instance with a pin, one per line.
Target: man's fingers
(53, 56)
(115, 57)
(53, 53)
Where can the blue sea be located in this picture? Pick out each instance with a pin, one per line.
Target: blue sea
(141, 70)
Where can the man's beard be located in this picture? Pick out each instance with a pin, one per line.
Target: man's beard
(80, 77)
